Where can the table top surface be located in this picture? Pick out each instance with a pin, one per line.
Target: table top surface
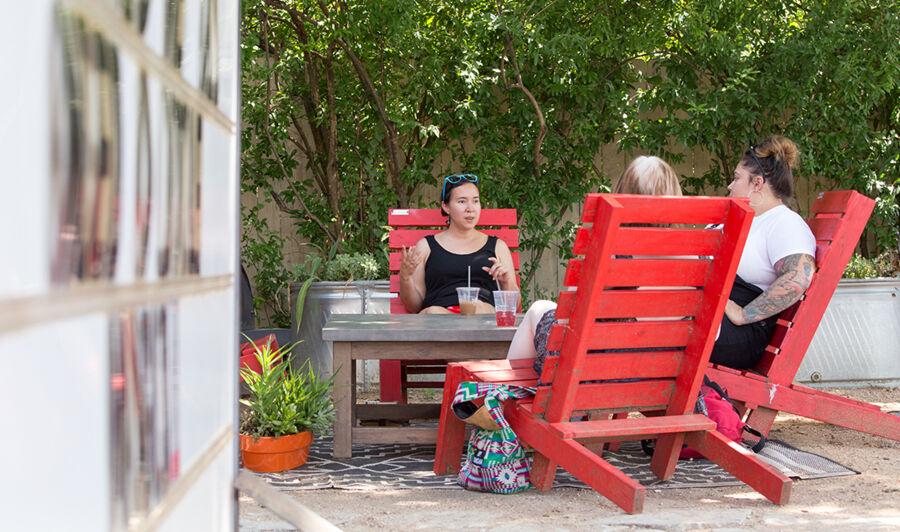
(416, 328)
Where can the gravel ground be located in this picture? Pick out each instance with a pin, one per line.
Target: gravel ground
(869, 501)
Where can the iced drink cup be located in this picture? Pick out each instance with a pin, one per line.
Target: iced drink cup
(467, 299)
(505, 304)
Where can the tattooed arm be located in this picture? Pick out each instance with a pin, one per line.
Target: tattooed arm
(794, 274)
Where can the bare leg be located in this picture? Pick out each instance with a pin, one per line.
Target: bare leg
(483, 308)
(522, 345)
(434, 310)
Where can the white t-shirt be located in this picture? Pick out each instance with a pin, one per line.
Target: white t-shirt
(774, 235)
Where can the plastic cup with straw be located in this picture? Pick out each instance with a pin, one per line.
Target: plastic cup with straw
(505, 304)
(468, 296)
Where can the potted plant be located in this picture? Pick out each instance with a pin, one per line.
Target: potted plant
(341, 283)
(285, 406)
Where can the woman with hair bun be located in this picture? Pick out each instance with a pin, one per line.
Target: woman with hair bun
(778, 259)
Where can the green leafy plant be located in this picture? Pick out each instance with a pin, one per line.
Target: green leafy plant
(284, 400)
(352, 267)
(859, 267)
(885, 265)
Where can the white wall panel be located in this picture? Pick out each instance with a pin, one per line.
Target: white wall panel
(218, 209)
(130, 112)
(25, 145)
(228, 58)
(207, 363)
(202, 509)
(159, 157)
(56, 441)
(192, 53)
(154, 28)
(118, 155)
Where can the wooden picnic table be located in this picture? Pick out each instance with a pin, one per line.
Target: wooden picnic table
(401, 337)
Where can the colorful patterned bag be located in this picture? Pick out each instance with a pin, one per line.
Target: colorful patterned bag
(495, 461)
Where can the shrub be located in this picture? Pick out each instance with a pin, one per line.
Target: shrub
(352, 267)
(885, 265)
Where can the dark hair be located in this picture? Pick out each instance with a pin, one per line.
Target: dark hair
(774, 160)
(449, 186)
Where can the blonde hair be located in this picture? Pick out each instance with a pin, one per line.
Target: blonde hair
(649, 176)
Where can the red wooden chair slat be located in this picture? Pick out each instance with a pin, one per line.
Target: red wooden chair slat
(397, 306)
(395, 258)
(409, 226)
(838, 219)
(645, 272)
(619, 335)
(629, 396)
(680, 210)
(822, 250)
(394, 281)
(839, 202)
(656, 241)
(408, 237)
(643, 428)
(433, 217)
(601, 366)
(825, 228)
(787, 315)
(663, 382)
(636, 303)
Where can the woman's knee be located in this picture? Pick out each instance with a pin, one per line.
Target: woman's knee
(434, 310)
(539, 308)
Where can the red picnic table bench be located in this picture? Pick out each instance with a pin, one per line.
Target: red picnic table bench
(837, 220)
(411, 225)
(609, 331)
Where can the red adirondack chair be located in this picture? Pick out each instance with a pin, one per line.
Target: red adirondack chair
(837, 221)
(410, 226)
(609, 330)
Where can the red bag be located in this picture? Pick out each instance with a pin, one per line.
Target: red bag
(248, 353)
(728, 420)
(249, 348)
(714, 404)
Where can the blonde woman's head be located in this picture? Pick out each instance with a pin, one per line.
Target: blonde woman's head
(650, 176)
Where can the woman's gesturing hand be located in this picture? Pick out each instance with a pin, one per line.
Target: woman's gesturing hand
(498, 271)
(411, 258)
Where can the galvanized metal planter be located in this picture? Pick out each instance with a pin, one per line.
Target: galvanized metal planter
(858, 341)
(335, 297)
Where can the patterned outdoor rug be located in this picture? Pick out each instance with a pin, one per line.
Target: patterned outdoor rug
(408, 466)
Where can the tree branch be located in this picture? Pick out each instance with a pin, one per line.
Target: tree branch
(331, 165)
(390, 130)
(420, 117)
(289, 178)
(312, 101)
(315, 166)
(538, 158)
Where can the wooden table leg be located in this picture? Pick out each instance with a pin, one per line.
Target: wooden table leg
(344, 398)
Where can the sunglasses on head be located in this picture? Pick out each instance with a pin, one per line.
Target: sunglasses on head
(751, 151)
(455, 179)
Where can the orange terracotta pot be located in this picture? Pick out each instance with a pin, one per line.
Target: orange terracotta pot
(271, 455)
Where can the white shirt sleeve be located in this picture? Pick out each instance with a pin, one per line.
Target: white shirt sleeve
(789, 236)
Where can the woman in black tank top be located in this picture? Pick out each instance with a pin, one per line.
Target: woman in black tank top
(445, 272)
(431, 271)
